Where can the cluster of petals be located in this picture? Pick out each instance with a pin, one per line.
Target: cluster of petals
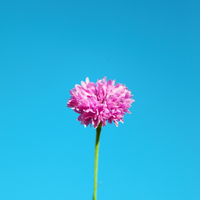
(100, 102)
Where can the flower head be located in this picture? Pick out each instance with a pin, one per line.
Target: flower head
(100, 102)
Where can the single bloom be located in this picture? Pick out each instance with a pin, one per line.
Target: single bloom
(100, 102)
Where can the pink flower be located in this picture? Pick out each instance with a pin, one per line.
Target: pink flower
(100, 102)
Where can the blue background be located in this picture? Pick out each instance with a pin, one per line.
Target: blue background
(46, 47)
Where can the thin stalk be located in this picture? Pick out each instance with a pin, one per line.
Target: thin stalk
(98, 132)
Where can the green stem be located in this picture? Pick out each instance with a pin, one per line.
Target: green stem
(98, 132)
